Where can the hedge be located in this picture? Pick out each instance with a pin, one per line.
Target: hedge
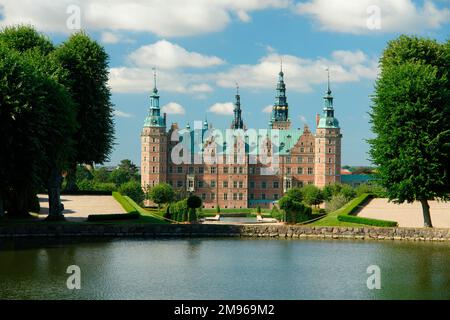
(86, 193)
(126, 205)
(367, 221)
(113, 217)
(346, 213)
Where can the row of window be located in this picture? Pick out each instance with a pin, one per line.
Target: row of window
(238, 196)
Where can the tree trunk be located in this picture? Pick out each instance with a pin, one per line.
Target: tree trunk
(426, 214)
(2, 208)
(71, 178)
(54, 195)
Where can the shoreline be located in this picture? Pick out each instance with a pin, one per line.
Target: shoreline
(222, 230)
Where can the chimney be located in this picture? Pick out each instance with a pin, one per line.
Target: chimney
(317, 120)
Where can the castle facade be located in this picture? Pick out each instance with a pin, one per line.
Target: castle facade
(241, 167)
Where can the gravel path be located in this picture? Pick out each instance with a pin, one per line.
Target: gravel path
(407, 215)
(77, 208)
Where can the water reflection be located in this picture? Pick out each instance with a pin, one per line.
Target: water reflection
(223, 269)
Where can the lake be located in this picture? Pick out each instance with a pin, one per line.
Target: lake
(223, 269)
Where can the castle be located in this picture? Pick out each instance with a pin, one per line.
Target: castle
(241, 167)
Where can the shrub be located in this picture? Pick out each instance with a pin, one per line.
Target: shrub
(335, 203)
(133, 190)
(113, 217)
(295, 193)
(277, 214)
(348, 192)
(161, 193)
(179, 210)
(312, 195)
(295, 211)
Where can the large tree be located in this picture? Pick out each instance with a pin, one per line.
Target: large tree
(87, 65)
(37, 120)
(411, 120)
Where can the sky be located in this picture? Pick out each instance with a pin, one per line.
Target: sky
(202, 48)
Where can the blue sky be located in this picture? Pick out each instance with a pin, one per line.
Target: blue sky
(201, 48)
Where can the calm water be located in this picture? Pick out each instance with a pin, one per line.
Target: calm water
(223, 269)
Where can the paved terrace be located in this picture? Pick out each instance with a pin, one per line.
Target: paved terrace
(77, 208)
(407, 215)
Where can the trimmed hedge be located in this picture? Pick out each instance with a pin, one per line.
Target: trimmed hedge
(346, 214)
(367, 221)
(113, 217)
(126, 205)
(86, 193)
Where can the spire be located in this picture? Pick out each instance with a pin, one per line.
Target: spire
(329, 98)
(237, 123)
(154, 118)
(327, 120)
(280, 110)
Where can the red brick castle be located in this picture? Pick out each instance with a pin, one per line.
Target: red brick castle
(241, 167)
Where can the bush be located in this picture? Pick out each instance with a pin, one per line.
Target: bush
(295, 193)
(133, 190)
(312, 195)
(179, 210)
(335, 203)
(277, 214)
(373, 188)
(296, 212)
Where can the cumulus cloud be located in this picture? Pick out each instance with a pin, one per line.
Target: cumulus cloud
(173, 108)
(301, 73)
(222, 108)
(356, 16)
(122, 114)
(163, 18)
(167, 55)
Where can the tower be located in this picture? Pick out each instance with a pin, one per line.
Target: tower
(327, 144)
(280, 112)
(237, 123)
(154, 144)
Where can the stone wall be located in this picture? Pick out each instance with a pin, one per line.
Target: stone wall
(199, 230)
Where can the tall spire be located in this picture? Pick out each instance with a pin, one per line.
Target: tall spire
(154, 118)
(280, 111)
(237, 123)
(327, 120)
(329, 98)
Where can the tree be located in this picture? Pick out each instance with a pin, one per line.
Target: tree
(161, 193)
(133, 190)
(411, 121)
(312, 195)
(87, 65)
(193, 202)
(37, 121)
(295, 193)
(295, 211)
(125, 171)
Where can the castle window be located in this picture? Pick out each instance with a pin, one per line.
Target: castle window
(240, 170)
(234, 184)
(252, 184)
(234, 170)
(288, 170)
(190, 184)
(154, 159)
(225, 196)
(310, 160)
(179, 184)
(201, 170)
(213, 183)
(213, 169)
(251, 170)
(241, 184)
(203, 196)
(213, 196)
(330, 160)
(225, 184)
(329, 141)
(154, 169)
(154, 149)
(302, 150)
(276, 184)
(329, 150)
(310, 171)
(241, 196)
(299, 159)
(179, 169)
(300, 184)
(263, 185)
(200, 184)
(263, 196)
(170, 169)
(299, 170)
(191, 170)
(311, 149)
(288, 159)
(234, 196)
(225, 169)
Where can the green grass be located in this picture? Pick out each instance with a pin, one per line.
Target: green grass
(147, 216)
(343, 216)
(126, 205)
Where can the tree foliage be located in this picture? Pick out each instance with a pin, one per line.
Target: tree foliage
(161, 193)
(411, 120)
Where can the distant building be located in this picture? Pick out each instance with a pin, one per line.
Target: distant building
(238, 175)
(356, 179)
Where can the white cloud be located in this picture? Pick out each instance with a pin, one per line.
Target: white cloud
(353, 16)
(163, 18)
(138, 80)
(268, 109)
(122, 114)
(301, 73)
(109, 38)
(222, 108)
(166, 55)
(173, 108)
